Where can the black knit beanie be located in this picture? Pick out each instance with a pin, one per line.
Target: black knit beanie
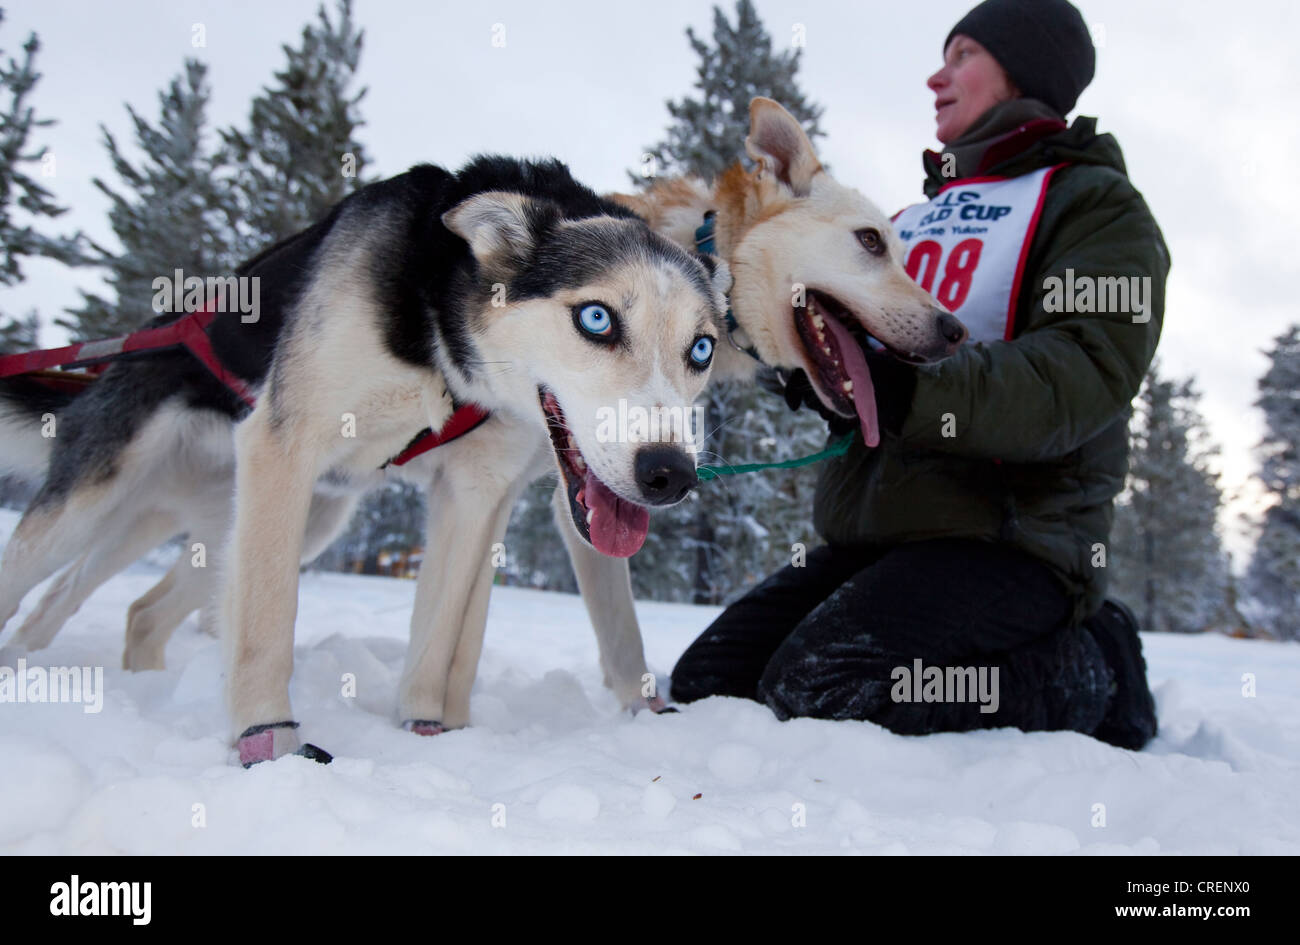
(1043, 45)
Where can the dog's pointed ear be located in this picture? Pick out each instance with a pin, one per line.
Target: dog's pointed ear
(719, 274)
(500, 227)
(778, 143)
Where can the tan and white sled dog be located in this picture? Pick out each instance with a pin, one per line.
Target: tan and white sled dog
(818, 271)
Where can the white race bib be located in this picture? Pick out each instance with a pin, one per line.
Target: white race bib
(967, 247)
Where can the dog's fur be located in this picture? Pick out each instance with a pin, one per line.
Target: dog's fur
(789, 231)
(786, 224)
(415, 292)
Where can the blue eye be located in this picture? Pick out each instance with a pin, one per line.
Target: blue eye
(702, 351)
(595, 319)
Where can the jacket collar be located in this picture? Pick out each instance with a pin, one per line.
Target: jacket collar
(1001, 133)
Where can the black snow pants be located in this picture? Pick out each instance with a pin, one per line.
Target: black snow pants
(841, 636)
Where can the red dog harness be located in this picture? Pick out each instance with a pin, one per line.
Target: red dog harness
(191, 332)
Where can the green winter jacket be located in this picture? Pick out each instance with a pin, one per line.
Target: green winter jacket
(1040, 447)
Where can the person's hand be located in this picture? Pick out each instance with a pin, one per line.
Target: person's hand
(798, 391)
(895, 384)
(893, 381)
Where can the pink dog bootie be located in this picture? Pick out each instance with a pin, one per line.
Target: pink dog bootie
(259, 743)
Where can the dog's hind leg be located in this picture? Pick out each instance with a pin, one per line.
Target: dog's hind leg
(114, 550)
(191, 582)
(91, 489)
(189, 586)
(140, 626)
(329, 515)
(155, 616)
(55, 530)
(606, 586)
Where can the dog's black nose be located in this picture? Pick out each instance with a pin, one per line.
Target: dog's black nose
(953, 331)
(664, 474)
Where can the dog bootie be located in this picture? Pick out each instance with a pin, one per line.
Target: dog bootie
(1130, 720)
(259, 743)
(423, 727)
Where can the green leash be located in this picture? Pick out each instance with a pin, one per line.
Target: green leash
(704, 242)
(838, 448)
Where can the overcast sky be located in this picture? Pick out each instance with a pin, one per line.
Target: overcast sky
(1200, 95)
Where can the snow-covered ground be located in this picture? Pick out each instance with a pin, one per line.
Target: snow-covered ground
(551, 765)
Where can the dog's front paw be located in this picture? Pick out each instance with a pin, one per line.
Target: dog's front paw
(655, 704)
(259, 743)
(424, 727)
(658, 706)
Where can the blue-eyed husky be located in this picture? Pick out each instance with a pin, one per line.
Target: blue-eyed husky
(507, 285)
(785, 226)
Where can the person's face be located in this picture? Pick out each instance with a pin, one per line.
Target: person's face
(969, 84)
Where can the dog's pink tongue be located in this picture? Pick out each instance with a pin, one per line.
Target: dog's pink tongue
(864, 395)
(618, 527)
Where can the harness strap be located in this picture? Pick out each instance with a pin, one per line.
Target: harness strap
(188, 331)
(191, 332)
(465, 418)
(194, 335)
(706, 242)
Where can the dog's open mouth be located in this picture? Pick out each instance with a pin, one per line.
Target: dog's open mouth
(834, 340)
(609, 523)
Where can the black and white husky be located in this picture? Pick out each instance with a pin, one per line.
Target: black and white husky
(146, 453)
(507, 285)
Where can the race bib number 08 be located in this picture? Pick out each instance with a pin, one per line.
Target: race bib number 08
(926, 259)
(967, 247)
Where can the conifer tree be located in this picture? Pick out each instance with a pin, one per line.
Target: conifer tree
(390, 519)
(22, 197)
(169, 213)
(20, 334)
(1273, 577)
(708, 131)
(299, 155)
(733, 530)
(1166, 557)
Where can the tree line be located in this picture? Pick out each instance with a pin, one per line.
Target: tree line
(184, 197)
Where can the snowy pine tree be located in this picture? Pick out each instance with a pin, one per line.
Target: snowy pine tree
(168, 215)
(733, 530)
(20, 334)
(1273, 578)
(20, 193)
(708, 132)
(1166, 559)
(299, 155)
(389, 520)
